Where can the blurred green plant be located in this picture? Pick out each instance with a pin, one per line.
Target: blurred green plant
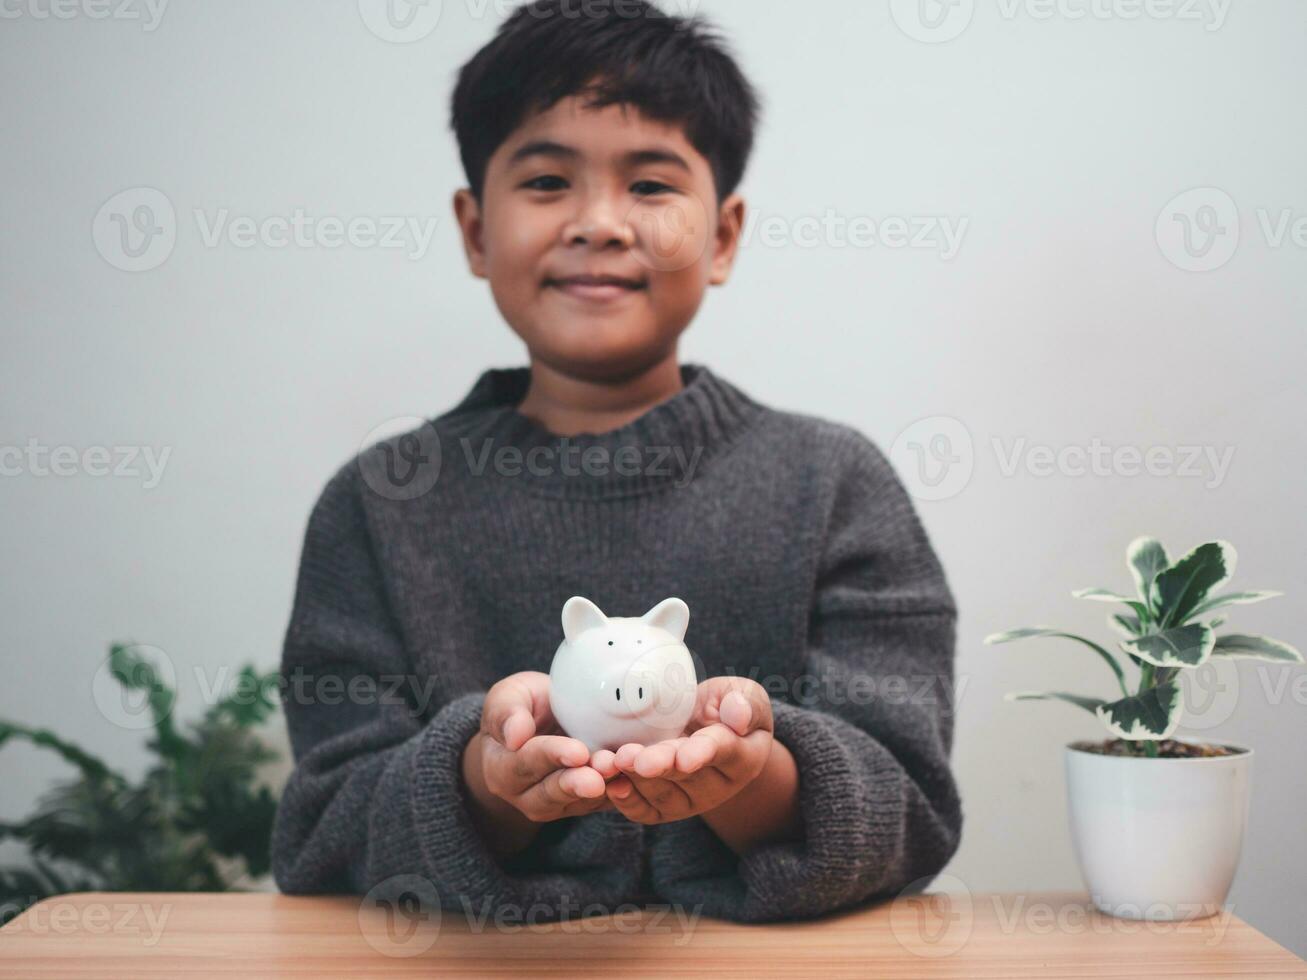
(171, 831)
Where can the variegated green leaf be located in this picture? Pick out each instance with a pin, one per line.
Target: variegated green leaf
(1107, 595)
(1151, 715)
(1089, 704)
(1183, 646)
(1232, 599)
(1179, 590)
(1256, 646)
(1146, 557)
(1102, 595)
(1125, 624)
(1027, 632)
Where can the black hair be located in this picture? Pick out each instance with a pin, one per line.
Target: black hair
(675, 70)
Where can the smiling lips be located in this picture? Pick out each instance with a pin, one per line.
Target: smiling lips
(596, 288)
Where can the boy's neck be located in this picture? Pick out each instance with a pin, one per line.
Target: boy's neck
(568, 405)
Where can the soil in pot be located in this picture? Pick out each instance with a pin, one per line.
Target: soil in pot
(1167, 748)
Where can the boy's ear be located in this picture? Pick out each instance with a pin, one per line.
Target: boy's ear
(468, 214)
(579, 615)
(730, 223)
(672, 615)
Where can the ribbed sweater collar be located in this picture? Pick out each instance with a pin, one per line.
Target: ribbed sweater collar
(667, 446)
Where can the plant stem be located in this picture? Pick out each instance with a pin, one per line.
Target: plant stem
(1145, 677)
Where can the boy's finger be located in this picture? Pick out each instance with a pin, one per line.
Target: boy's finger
(726, 745)
(559, 789)
(604, 761)
(741, 704)
(629, 803)
(696, 752)
(657, 759)
(625, 757)
(581, 807)
(513, 772)
(663, 796)
(736, 712)
(543, 754)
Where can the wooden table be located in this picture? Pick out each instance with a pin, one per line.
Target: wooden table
(108, 934)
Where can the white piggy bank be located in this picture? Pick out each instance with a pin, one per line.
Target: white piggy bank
(618, 679)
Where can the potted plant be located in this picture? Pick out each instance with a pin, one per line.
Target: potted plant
(196, 821)
(1157, 822)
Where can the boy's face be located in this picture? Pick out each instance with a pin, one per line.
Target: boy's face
(576, 193)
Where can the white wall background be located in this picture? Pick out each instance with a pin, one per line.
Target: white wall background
(1058, 139)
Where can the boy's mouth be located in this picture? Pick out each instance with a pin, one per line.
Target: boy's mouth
(596, 288)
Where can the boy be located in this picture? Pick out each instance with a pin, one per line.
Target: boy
(603, 146)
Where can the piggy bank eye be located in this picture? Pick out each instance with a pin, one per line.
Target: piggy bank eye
(610, 642)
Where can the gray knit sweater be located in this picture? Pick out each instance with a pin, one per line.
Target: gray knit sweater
(438, 561)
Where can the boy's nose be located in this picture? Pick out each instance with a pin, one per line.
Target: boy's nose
(600, 223)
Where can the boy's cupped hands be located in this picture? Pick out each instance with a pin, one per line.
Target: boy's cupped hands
(725, 746)
(520, 756)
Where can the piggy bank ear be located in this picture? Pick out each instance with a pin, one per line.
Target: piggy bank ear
(672, 615)
(579, 615)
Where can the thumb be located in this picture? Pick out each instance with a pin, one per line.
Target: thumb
(516, 708)
(741, 705)
(736, 713)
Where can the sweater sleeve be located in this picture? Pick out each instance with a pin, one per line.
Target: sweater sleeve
(377, 794)
(869, 724)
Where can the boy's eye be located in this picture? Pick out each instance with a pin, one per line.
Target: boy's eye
(646, 188)
(538, 183)
(642, 188)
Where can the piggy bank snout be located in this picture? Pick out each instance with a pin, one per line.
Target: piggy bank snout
(651, 690)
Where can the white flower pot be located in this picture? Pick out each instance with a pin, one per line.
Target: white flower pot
(1158, 838)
